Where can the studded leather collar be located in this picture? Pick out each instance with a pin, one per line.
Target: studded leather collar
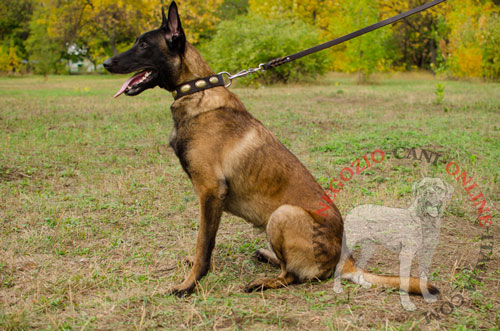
(198, 85)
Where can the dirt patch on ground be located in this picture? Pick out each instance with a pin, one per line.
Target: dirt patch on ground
(8, 174)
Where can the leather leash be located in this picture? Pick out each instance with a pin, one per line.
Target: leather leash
(204, 83)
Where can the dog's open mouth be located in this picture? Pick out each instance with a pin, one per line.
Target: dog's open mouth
(135, 84)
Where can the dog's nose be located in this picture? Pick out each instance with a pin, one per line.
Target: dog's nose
(107, 64)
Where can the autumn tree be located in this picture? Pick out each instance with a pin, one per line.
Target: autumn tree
(472, 49)
(417, 36)
(199, 18)
(460, 38)
(14, 29)
(314, 12)
(96, 29)
(45, 52)
(366, 54)
(111, 26)
(334, 19)
(230, 9)
(54, 26)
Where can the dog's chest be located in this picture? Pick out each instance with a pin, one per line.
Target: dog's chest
(179, 145)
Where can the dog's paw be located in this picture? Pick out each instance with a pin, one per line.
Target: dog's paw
(260, 256)
(337, 287)
(266, 256)
(180, 291)
(254, 286)
(363, 282)
(262, 284)
(407, 304)
(430, 298)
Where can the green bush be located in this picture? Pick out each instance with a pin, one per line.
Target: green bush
(491, 49)
(249, 40)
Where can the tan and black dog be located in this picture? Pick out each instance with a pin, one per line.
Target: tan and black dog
(236, 165)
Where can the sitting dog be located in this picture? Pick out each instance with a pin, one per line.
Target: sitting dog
(410, 232)
(235, 164)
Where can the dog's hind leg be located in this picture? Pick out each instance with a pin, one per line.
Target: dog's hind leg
(292, 236)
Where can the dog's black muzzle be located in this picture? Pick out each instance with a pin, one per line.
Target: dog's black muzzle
(108, 64)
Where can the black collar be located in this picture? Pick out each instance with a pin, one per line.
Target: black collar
(198, 85)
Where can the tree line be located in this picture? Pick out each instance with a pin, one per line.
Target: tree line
(459, 38)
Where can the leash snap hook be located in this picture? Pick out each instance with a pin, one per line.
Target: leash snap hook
(229, 77)
(241, 73)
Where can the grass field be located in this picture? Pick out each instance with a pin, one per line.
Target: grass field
(97, 216)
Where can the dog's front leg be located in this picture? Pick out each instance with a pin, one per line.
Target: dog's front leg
(405, 260)
(424, 261)
(211, 206)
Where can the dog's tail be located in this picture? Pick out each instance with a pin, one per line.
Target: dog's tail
(352, 272)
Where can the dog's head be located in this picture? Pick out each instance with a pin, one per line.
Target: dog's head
(155, 57)
(432, 194)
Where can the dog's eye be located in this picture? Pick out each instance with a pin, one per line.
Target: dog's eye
(143, 45)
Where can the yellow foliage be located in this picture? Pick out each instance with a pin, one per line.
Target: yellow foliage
(467, 22)
(457, 36)
(198, 17)
(391, 8)
(467, 62)
(90, 17)
(315, 12)
(9, 60)
(339, 62)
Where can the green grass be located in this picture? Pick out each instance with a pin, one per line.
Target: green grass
(96, 214)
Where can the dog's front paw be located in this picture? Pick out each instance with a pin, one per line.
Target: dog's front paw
(180, 291)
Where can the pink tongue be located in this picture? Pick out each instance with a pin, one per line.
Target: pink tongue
(130, 82)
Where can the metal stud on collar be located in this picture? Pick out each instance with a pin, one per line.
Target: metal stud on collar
(204, 83)
(198, 85)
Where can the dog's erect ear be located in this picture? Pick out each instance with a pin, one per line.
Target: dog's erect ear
(172, 27)
(174, 22)
(415, 187)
